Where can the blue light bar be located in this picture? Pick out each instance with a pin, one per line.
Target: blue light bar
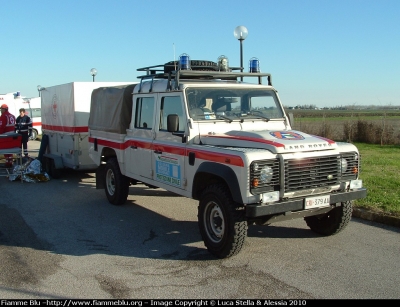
(254, 65)
(184, 62)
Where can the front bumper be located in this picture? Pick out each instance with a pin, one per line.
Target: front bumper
(259, 210)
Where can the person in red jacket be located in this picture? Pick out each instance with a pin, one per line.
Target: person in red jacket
(7, 124)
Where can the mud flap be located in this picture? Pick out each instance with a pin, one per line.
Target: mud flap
(100, 176)
(43, 146)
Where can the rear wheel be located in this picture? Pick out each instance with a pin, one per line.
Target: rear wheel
(331, 222)
(221, 221)
(116, 185)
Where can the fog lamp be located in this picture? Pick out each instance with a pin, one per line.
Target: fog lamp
(270, 197)
(356, 184)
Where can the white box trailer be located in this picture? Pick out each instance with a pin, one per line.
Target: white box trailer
(65, 116)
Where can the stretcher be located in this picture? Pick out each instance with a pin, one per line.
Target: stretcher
(10, 143)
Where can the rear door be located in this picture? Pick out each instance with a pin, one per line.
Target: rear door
(140, 137)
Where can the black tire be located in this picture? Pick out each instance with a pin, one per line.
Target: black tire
(222, 222)
(116, 185)
(332, 222)
(34, 135)
(50, 168)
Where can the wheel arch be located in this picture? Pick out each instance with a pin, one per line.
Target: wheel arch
(107, 153)
(209, 173)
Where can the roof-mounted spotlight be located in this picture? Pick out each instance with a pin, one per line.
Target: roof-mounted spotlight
(254, 65)
(223, 63)
(184, 62)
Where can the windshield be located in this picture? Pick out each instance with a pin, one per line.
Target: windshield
(232, 104)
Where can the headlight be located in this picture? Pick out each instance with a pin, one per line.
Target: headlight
(266, 174)
(344, 165)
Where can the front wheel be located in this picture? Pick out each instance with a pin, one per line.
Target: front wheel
(221, 221)
(331, 222)
(34, 135)
(116, 185)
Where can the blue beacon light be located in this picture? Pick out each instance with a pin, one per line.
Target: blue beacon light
(254, 65)
(184, 62)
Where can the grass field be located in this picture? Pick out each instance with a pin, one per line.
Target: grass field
(368, 126)
(380, 167)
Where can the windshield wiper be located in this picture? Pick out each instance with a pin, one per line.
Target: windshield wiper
(259, 114)
(229, 120)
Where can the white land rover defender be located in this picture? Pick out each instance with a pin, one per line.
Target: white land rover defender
(194, 128)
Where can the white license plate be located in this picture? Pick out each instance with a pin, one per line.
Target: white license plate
(317, 201)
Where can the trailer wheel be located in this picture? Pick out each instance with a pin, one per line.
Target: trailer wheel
(331, 222)
(221, 221)
(116, 185)
(50, 168)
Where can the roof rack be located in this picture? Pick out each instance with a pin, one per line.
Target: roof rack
(199, 70)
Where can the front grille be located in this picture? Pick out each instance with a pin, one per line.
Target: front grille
(305, 173)
(311, 172)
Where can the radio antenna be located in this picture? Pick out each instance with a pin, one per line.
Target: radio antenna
(173, 45)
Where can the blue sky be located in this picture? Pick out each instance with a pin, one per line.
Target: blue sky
(326, 53)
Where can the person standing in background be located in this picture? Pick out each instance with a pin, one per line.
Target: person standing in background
(7, 124)
(23, 126)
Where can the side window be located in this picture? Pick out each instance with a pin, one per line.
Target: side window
(36, 113)
(171, 105)
(144, 112)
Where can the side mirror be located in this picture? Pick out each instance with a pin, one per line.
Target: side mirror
(173, 126)
(172, 123)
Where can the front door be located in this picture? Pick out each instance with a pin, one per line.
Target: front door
(169, 151)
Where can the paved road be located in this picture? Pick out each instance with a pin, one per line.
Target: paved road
(62, 239)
